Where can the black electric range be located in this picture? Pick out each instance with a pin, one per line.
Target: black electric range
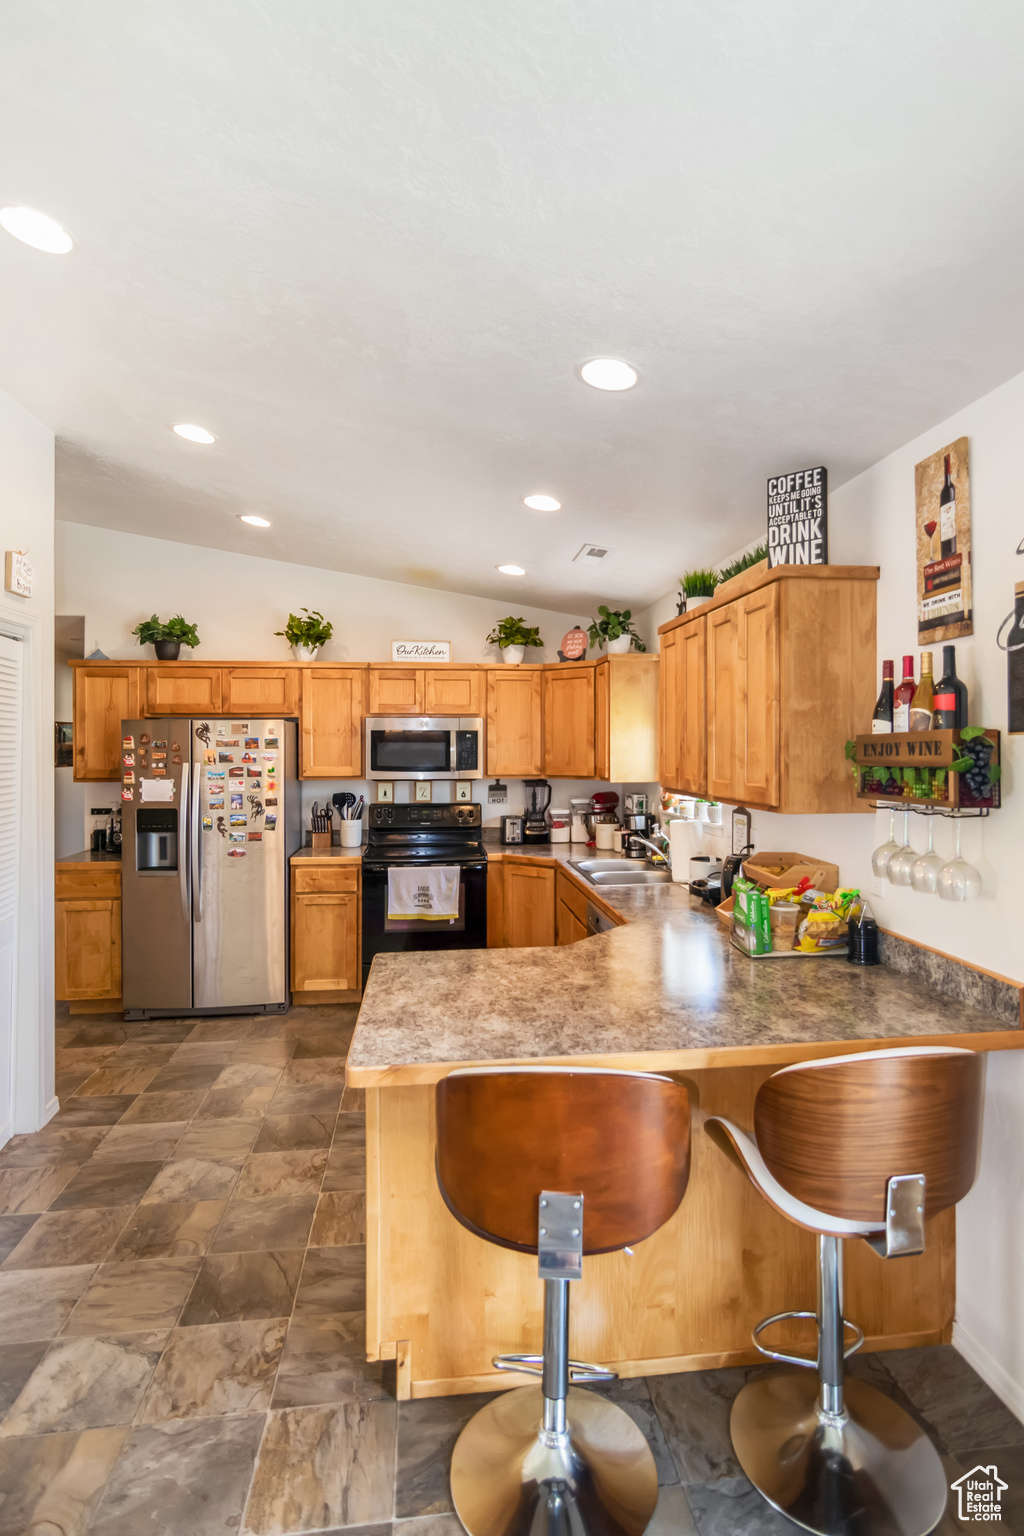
(417, 836)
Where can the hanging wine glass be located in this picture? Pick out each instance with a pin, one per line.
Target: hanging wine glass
(881, 856)
(958, 880)
(904, 860)
(924, 876)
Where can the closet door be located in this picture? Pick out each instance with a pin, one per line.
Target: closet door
(10, 827)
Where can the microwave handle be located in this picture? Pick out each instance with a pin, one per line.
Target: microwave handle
(453, 752)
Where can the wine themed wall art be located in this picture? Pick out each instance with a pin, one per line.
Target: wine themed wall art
(798, 518)
(943, 509)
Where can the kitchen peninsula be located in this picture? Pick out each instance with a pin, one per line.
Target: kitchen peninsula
(664, 992)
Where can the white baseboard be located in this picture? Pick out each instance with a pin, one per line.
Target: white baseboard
(50, 1110)
(991, 1371)
(6, 1132)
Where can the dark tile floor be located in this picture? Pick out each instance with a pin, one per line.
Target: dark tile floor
(181, 1315)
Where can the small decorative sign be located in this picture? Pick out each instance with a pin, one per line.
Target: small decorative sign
(798, 518)
(17, 573)
(574, 644)
(421, 650)
(943, 495)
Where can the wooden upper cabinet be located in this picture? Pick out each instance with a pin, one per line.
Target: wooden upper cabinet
(515, 743)
(756, 769)
(451, 691)
(789, 673)
(188, 689)
(569, 722)
(396, 691)
(626, 718)
(332, 709)
(103, 697)
(259, 691)
(723, 700)
(529, 905)
(683, 695)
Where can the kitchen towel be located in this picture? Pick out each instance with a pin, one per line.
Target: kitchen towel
(431, 893)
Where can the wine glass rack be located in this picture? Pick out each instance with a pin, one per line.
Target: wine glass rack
(947, 772)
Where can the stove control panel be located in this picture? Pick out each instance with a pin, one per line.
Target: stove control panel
(398, 818)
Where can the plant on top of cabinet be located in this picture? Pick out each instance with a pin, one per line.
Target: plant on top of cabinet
(698, 586)
(752, 557)
(167, 639)
(306, 636)
(513, 636)
(614, 630)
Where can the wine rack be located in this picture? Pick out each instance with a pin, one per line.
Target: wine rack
(921, 768)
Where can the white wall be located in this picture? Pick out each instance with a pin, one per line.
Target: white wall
(238, 601)
(871, 521)
(26, 523)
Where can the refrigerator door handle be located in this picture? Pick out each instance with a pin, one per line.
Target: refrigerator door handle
(197, 868)
(182, 856)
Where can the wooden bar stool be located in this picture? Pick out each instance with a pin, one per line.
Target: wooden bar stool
(559, 1162)
(852, 1146)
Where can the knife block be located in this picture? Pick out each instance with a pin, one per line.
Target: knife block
(320, 840)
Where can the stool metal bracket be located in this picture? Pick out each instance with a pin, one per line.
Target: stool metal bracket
(560, 1236)
(904, 1217)
(780, 1355)
(579, 1370)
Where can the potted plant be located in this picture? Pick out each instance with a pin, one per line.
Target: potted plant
(513, 636)
(306, 636)
(167, 639)
(744, 563)
(698, 586)
(614, 630)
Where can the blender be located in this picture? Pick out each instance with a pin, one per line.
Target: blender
(538, 798)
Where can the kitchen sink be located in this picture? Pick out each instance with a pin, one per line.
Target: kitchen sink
(620, 872)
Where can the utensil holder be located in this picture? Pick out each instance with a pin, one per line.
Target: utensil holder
(351, 833)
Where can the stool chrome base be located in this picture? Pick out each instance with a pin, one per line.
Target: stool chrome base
(512, 1478)
(869, 1472)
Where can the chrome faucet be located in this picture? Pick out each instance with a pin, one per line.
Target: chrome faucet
(661, 853)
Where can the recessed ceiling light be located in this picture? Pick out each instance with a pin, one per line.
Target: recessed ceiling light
(37, 230)
(257, 522)
(542, 503)
(511, 570)
(608, 373)
(193, 433)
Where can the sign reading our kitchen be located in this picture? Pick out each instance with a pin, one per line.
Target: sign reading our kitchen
(421, 650)
(798, 518)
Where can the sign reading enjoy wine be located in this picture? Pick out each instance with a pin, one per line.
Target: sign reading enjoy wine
(798, 518)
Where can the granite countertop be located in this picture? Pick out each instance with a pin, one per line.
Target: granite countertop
(665, 991)
(88, 857)
(328, 855)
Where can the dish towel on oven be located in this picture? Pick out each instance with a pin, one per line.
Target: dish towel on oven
(428, 893)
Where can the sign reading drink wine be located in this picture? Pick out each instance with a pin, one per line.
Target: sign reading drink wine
(798, 518)
(943, 496)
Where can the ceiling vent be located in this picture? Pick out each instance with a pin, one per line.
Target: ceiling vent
(592, 554)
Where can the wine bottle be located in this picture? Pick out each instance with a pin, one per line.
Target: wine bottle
(881, 720)
(947, 516)
(950, 695)
(922, 704)
(902, 697)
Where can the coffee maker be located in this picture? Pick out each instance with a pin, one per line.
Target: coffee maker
(636, 825)
(538, 798)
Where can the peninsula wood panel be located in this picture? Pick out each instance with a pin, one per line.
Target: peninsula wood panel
(183, 690)
(396, 691)
(686, 1300)
(332, 722)
(529, 905)
(569, 721)
(451, 690)
(683, 710)
(495, 905)
(103, 697)
(325, 942)
(260, 691)
(87, 948)
(515, 739)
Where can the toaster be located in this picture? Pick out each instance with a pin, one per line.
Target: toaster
(512, 829)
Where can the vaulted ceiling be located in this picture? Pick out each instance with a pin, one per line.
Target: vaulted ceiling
(368, 245)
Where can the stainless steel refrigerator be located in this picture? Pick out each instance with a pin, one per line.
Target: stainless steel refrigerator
(210, 816)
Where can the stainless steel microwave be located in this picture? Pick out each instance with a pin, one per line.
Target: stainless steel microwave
(424, 747)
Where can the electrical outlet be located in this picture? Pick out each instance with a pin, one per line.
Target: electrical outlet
(876, 885)
(463, 790)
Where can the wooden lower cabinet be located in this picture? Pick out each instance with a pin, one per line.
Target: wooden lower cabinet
(326, 928)
(570, 910)
(529, 905)
(87, 936)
